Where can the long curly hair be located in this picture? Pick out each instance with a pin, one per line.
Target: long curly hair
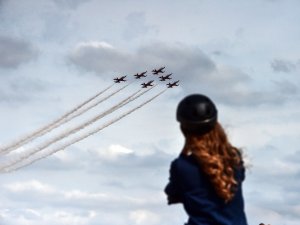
(217, 158)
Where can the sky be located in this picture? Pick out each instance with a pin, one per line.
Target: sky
(55, 54)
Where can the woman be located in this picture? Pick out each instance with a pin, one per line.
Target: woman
(207, 176)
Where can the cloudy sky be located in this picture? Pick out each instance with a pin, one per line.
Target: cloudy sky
(55, 54)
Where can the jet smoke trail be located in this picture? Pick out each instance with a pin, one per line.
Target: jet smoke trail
(63, 119)
(74, 130)
(19, 142)
(66, 119)
(74, 140)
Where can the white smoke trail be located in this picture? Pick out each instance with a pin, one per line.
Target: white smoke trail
(77, 139)
(72, 130)
(58, 122)
(16, 144)
(65, 119)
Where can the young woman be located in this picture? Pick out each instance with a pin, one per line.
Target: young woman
(207, 176)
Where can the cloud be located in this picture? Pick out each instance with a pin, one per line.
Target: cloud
(275, 175)
(120, 156)
(40, 194)
(101, 57)
(188, 64)
(15, 52)
(32, 185)
(196, 71)
(114, 152)
(137, 26)
(20, 89)
(144, 216)
(295, 158)
(74, 206)
(72, 4)
(285, 66)
(286, 87)
(35, 216)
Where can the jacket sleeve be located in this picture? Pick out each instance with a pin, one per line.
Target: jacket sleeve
(172, 190)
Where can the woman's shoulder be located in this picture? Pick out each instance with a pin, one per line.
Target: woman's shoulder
(185, 162)
(183, 159)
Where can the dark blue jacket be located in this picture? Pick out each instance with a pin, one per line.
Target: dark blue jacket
(191, 187)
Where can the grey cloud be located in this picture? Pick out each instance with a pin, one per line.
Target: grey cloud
(14, 52)
(11, 97)
(122, 172)
(137, 26)
(100, 59)
(217, 52)
(286, 87)
(183, 61)
(72, 4)
(272, 0)
(285, 179)
(196, 71)
(285, 66)
(19, 90)
(130, 162)
(294, 158)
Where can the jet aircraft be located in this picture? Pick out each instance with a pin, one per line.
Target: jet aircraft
(171, 85)
(148, 84)
(140, 75)
(119, 79)
(157, 71)
(167, 77)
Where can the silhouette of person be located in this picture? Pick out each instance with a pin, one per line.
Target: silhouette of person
(207, 176)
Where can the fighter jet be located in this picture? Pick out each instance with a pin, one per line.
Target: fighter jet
(148, 84)
(157, 71)
(167, 77)
(119, 79)
(171, 85)
(140, 75)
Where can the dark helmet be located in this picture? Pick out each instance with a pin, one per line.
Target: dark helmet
(197, 114)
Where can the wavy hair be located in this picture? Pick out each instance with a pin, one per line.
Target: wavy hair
(217, 157)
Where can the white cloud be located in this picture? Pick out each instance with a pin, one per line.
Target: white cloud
(30, 186)
(84, 196)
(140, 217)
(114, 151)
(93, 44)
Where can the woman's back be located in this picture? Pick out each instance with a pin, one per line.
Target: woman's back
(204, 207)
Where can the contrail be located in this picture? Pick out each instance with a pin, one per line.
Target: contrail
(67, 118)
(74, 130)
(23, 140)
(63, 119)
(74, 140)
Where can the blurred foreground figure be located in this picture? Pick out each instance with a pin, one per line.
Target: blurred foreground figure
(207, 176)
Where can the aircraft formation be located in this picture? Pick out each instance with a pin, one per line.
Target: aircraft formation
(155, 72)
(80, 131)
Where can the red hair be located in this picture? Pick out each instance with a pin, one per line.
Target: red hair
(217, 158)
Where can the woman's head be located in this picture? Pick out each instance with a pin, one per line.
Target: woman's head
(197, 114)
(207, 141)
